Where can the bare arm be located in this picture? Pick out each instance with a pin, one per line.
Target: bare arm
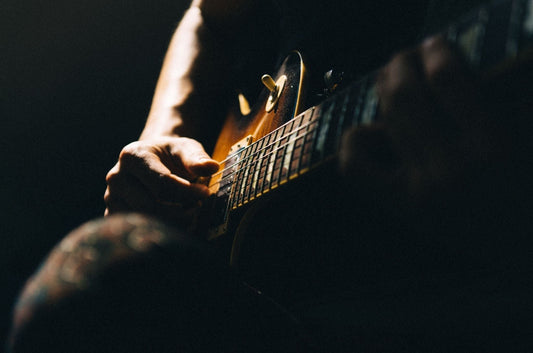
(155, 174)
(196, 77)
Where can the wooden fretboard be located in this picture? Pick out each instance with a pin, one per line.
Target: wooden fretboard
(489, 38)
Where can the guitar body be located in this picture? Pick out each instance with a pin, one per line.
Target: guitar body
(268, 226)
(239, 131)
(276, 142)
(259, 122)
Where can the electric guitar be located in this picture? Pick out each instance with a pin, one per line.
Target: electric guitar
(265, 148)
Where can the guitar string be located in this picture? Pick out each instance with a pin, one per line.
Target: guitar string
(289, 135)
(226, 168)
(229, 157)
(262, 138)
(311, 121)
(341, 97)
(253, 155)
(269, 154)
(270, 163)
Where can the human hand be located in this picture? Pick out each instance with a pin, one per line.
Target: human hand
(432, 128)
(157, 177)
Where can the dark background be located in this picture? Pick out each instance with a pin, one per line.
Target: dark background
(77, 79)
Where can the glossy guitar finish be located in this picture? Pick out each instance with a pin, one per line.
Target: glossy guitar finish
(263, 150)
(240, 131)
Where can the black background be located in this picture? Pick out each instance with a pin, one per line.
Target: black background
(76, 82)
(77, 79)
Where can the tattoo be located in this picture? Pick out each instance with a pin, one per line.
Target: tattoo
(85, 254)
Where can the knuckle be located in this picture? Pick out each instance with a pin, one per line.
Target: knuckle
(107, 196)
(439, 71)
(186, 146)
(403, 59)
(134, 153)
(435, 44)
(113, 204)
(131, 150)
(393, 81)
(110, 178)
(112, 175)
(396, 88)
(440, 63)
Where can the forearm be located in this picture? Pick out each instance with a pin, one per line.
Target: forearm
(200, 73)
(193, 80)
(155, 174)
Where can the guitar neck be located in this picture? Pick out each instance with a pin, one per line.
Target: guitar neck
(490, 38)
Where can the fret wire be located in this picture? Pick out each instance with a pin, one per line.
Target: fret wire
(256, 160)
(250, 174)
(308, 140)
(363, 87)
(263, 138)
(359, 106)
(300, 125)
(259, 150)
(263, 158)
(284, 155)
(270, 161)
(280, 160)
(470, 37)
(248, 188)
(359, 110)
(273, 152)
(294, 132)
(233, 154)
(452, 32)
(239, 185)
(342, 116)
(291, 134)
(274, 177)
(353, 109)
(369, 110)
(242, 184)
(326, 116)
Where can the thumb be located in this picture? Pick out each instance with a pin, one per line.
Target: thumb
(195, 159)
(204, 166)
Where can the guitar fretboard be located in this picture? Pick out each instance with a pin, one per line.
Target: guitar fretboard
(488, 38)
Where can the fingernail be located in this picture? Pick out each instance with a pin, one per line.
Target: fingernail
(207, 160)
(203, 160)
